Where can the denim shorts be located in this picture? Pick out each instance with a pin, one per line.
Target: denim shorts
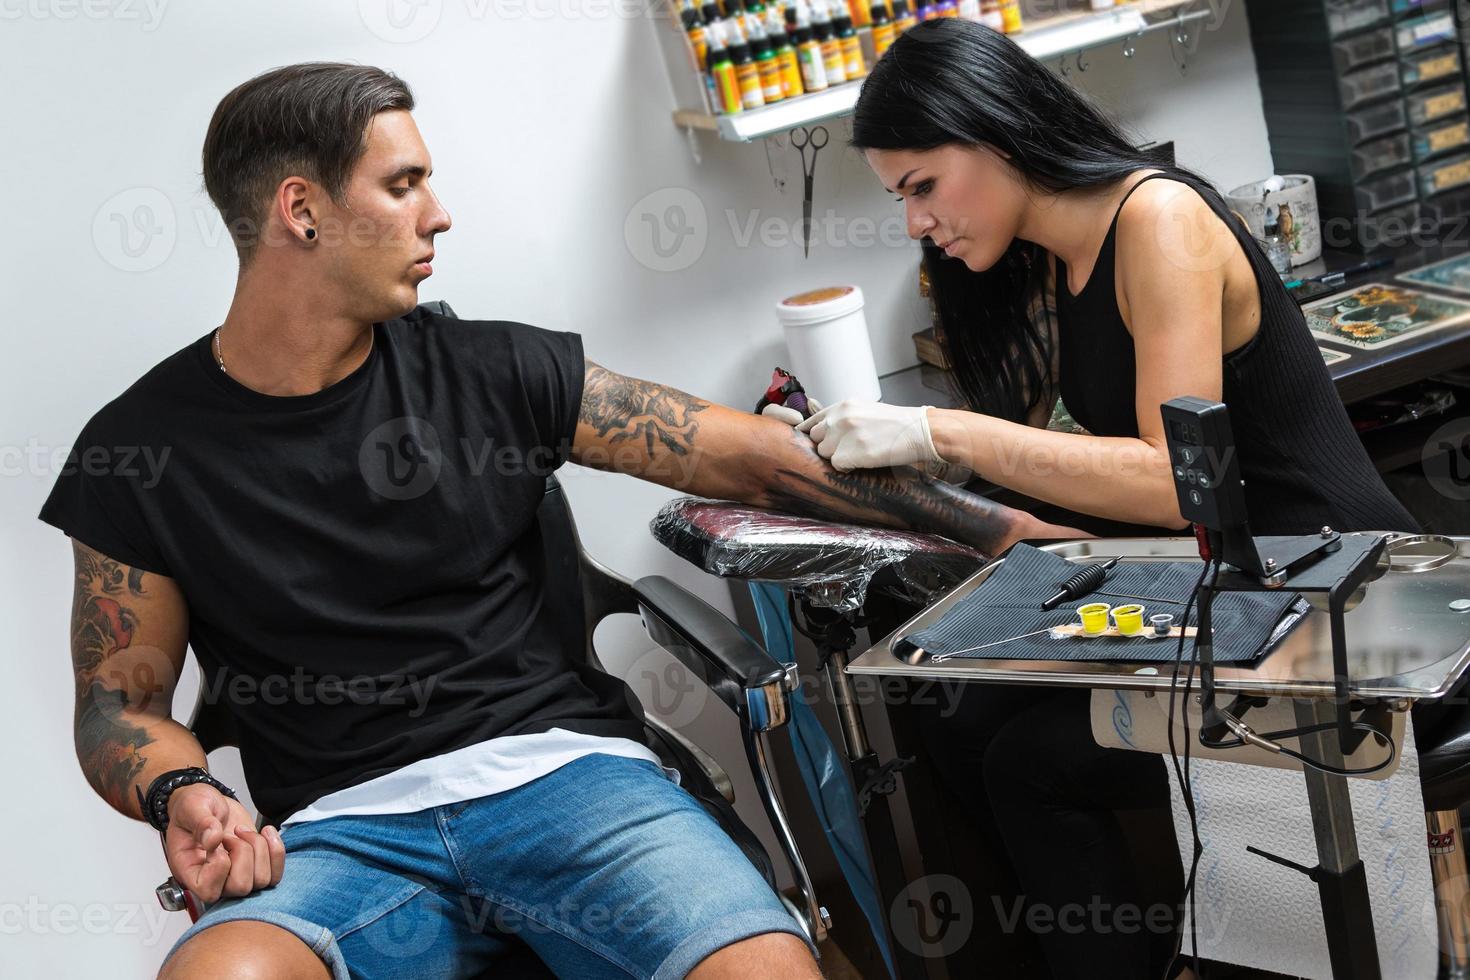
(603, 868)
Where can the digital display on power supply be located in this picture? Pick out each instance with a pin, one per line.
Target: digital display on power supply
(1183, 431)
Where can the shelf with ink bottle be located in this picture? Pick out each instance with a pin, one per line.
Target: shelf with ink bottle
(695, 29)
(743, 32)
(750, 57)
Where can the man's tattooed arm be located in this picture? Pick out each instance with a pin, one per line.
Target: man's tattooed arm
(128, 632)
(668, 437)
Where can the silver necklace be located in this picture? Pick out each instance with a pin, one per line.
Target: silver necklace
(217, 355)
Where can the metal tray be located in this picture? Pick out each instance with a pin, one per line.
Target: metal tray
(1404, 639)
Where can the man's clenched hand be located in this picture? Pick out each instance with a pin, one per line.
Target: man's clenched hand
(213, 849)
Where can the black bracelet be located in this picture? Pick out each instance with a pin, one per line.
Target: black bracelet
(154, 803)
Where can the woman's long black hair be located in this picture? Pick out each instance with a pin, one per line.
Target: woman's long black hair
(950, 81)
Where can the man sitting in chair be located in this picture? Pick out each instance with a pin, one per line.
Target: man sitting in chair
(342, 522)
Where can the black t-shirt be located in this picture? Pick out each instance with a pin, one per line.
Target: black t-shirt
(363, 565)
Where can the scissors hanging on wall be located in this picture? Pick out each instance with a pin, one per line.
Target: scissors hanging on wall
(805, 139)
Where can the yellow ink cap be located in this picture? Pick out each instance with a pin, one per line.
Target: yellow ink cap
(1094, 617)
(1128, 619)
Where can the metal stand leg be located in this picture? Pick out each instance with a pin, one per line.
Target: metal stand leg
(1340, 876)
(835, 635)
(1451, 892)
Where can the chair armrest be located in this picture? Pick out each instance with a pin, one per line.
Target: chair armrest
(736, 668)
(756, 686)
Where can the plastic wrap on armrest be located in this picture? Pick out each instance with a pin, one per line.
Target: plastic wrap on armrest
(831, 563)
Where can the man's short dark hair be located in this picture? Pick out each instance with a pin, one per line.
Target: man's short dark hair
(309, 119)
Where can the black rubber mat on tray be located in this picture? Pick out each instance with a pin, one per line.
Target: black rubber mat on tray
(1008, 603)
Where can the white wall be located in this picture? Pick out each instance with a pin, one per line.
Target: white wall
(547, 132)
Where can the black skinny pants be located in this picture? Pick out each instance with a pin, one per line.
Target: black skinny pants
(1024, 763)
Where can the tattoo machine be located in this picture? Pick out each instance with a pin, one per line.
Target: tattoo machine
(786, 391)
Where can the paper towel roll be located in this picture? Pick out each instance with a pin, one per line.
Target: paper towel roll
(1256, 913)
(1141, 723)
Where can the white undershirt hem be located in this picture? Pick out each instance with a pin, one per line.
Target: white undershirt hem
(491, 766)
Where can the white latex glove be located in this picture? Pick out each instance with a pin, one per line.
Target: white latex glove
(790, 415)
(856, 435)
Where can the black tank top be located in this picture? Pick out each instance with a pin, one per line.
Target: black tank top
(1301, 460)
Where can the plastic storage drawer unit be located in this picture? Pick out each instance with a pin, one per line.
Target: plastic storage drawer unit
(1440, 138)
(1381, 148)
(1424, 32)
(1363, 49)
(1435, 103)
(1380, 155)
(1375, 121)
(1369, 84)
(1438, 65)
(1350, 15)
(1444, 175)
(1386, 192)
(1453, 207)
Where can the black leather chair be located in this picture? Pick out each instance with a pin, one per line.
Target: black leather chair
(733, 666)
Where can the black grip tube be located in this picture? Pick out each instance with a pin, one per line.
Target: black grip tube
(1080, 584)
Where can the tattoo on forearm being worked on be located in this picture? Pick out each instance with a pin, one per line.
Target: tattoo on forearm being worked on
(623, 409)
(108, 745)
(902, 498)
(754, 462)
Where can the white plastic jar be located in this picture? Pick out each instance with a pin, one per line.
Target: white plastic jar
(827, 336)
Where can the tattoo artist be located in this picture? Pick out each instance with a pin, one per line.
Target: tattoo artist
(1065, 261)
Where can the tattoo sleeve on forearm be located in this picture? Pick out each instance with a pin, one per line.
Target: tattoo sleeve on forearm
(108, 745)
(903, 497)
(625, 409)
(758, 461)
(898, 498)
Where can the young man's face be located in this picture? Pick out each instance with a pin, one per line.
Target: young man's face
(379, 240)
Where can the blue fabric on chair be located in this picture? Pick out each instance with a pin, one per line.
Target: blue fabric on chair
(823, 770)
